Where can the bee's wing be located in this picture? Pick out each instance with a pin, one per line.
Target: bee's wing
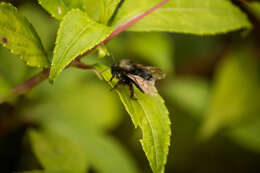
(146, 86)
(157, 73)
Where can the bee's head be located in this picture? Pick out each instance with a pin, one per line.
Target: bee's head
(115, 68)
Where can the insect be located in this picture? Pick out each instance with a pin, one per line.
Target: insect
(143, 77)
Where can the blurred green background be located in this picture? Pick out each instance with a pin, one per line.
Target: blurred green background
(212, 91)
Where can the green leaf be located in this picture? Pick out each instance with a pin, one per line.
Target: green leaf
(59, 8)
(88, 125)
(108, 8)
(45, 26)
(105, 154)
(99, 10)
(151, 115)
(77, 34)
(57, 153)
(235, 94)
(184, 16)
(19, 36)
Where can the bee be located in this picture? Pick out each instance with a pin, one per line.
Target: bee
(143, 77)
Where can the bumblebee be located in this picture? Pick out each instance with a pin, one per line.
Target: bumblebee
(143, 77)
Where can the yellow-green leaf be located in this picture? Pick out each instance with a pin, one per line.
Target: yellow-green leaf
(184, 16)
(77, 34)
(99, 10)
(19, 36)
(151, 115)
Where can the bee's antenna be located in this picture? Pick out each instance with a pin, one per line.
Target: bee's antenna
(113, 57)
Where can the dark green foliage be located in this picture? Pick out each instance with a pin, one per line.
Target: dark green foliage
(77, 125)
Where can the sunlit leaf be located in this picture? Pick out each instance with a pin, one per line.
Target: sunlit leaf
(18, 35)
(184, 16)
(57, 153)
(151, 115)
(77, 34)
(99, 10)
(235, 94)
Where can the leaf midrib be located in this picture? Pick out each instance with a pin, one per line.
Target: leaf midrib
(154, 134)
(74, 41)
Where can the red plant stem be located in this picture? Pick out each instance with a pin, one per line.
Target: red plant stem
(21, 89)
(133, 21)
(43, 75)
(27, 85)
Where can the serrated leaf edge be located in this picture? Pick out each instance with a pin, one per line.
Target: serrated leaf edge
(20, 56)
(51, 78)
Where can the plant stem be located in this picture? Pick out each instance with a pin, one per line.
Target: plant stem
(27, 85)
(84, 66)
(43, 75)
(133, 21)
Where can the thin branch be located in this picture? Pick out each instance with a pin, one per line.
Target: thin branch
(27, 85)
(43, 75)
(84, 66)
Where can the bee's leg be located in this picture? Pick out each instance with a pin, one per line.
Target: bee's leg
(116, 85)
(132, 93)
